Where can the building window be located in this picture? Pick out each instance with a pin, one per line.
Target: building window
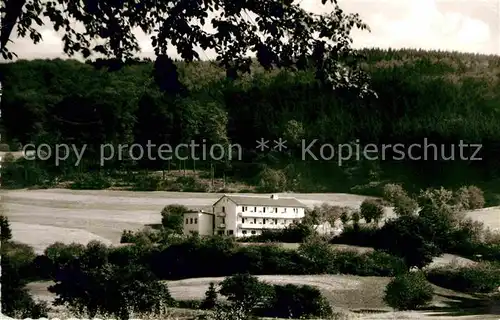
(255, 209)
(253, 232)
(264, 221)
(264, 209)
(230, 232)
(223, 220)
(223, 209)
(220, 233)
(275, 221)
(275, 210)
(195, 220)
(254, 220)
(242, 220)
(187, 220)
(244, 232)
(244, 209)
(191, 220)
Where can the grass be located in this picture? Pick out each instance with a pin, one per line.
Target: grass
(350, 295)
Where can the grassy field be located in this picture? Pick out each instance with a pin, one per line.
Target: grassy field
(358, 297)
(42, 217)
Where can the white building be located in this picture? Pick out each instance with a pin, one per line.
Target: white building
(249, 215)
(199, 222)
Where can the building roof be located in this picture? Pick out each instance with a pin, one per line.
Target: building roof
(264, 201)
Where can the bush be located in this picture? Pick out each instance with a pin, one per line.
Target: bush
(483, 278)
(411, 238)
(91, 181)
(405, 206)
(470, 198)
(372, 210)
(393, 192)
(246, 291)
(292, 301)
(16, 300)
(210, 300)
(172, 217)
(5, 230)
(408, 291)
(294, 233)
(271, 180)
(4, 147)
(364, 236)
(141, 237)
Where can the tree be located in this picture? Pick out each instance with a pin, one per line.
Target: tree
(408, 291)
(372, 210)
(172, 217)
(210, 300)
(5, 231)
(282, 34)
(245, 291)
(93, 285)
(411, 238)
(16, 300)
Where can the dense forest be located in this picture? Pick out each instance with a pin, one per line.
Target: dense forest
(444, 97)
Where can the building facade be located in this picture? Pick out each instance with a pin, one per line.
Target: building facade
(199, 222)
(241, 216)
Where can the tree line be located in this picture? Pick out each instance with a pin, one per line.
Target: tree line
(439, 96)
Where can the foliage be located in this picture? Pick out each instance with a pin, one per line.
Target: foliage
(124, 107)
(294, 233)
(172, 217)
(399, 198)
(5, 230)
(298, 302)
(372, 210)
(210, 300)
(16, 300)
(322, 41)
(470, 198)
(481, 278)
(91, 181)
(410, 238)
(271, 180)
(408, 291)
(93, 285)
(246, 291)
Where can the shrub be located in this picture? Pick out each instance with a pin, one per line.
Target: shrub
(364, 236)
(246, 291)
(392, 192)
(91, 181)
(210, 300)
(272, 180)
(141, 237)
(292, 301)
(411, 238)
(408, 291)
(16, 300)
(404, 206)
(372, 210)
(172, 217)
(5, 230)
(483, 278)
(470, 198)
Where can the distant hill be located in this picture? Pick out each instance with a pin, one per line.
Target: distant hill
(442, 96)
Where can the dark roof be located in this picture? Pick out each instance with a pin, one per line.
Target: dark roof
(265, 201)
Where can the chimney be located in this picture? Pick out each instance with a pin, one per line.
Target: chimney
(274, 196)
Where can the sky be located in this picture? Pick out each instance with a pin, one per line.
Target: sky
(452, 25)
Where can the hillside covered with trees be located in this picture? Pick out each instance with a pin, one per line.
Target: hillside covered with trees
(444, 97)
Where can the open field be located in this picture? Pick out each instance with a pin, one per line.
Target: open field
(41, 217)
(363, 296)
